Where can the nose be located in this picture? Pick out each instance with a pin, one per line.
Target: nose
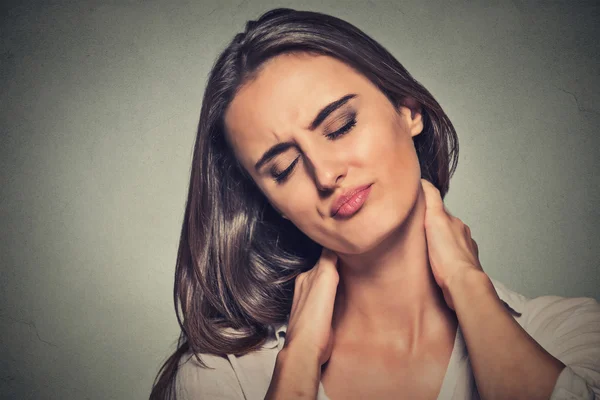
(327, 168)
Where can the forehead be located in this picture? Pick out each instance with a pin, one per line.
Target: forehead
(285, 96)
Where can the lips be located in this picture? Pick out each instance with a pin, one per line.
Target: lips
(346, 196)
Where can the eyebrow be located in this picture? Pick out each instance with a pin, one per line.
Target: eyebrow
(324, 113)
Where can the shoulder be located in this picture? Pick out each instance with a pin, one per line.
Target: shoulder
(548, 315)
(230, 376)
(554, 318)
(566, 327)
(569, 329)
(217, 380)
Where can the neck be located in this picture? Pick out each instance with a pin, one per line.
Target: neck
(389, 296)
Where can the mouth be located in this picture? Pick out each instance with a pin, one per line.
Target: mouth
(350, 201)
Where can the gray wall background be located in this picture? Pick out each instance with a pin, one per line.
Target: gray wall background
(99, 105)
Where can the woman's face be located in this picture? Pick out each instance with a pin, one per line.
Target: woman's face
(319, 130)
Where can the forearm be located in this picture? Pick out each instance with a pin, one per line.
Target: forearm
(507, 363)
(296, 376)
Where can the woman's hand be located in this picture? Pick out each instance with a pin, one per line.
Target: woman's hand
(309, 326)
(452, 251)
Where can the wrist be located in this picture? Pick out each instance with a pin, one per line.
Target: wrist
(297, 374)
(469, 285)
(297, 358)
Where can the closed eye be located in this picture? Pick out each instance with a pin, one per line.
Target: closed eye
(280, 177)
(344, 129)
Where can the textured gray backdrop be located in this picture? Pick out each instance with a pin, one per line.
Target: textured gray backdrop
(99, 105)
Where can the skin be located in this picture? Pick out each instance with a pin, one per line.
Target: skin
(408, 270)
(384, 268)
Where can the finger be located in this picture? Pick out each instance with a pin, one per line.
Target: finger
(297, 290)
(328, 259)
(476, 247)
(433, 199)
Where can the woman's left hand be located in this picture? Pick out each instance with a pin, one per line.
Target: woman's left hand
(452, 250)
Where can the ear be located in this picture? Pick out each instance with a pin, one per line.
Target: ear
(411, 110)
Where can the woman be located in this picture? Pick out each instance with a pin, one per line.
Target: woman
(317, 259)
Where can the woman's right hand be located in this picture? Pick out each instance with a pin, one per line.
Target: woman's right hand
(309, 326)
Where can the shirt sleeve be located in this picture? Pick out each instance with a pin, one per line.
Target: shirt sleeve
(569, 329)
(193, 382)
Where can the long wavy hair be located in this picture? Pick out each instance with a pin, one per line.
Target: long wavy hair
(237, 257)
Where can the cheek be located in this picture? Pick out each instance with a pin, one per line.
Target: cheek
(296, 202)
(400, 171)
(383, 146)
(299, 204)
(396, 169)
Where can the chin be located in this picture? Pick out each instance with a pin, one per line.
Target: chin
(366, 236)
(377, 225)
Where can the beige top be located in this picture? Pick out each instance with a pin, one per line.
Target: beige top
(568, 328)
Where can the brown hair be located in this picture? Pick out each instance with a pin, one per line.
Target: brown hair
(237, 258)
